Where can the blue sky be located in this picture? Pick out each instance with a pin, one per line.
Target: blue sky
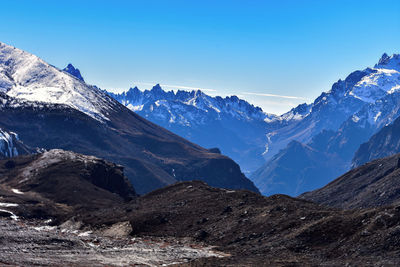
(254, 49)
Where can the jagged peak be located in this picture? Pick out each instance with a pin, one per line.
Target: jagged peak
(73, 71)
(157, 88)
(389, 62)
(383, 59)
(232, 105)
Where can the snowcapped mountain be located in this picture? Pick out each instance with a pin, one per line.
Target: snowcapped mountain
(233, 125)
(25, 76)
(332, 108)
(338, 122)
(327, 112)
(189, 108)
(296, 114)
(51, 108)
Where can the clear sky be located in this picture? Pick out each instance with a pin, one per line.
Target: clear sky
(254, 49)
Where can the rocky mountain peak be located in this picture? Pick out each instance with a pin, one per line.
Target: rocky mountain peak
(157, 88)
(389, 62)
(73, 71)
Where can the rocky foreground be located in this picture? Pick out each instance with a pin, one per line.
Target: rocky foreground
(78, 210)
(27, 243)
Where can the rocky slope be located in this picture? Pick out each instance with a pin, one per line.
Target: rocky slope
(384, 143)
(269, 231)
(296, 168)
(40, 195)
(59, 184)
(373, 184)
(50, 108)
(99, 227)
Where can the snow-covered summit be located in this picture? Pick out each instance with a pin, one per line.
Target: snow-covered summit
(25, 76)
(383, 79)
(376, 85)
(296, 113)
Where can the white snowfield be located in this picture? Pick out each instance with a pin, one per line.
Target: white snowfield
(25, 76)
(376, 85)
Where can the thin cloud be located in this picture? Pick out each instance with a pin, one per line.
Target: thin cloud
(180, 87)
(273, 95)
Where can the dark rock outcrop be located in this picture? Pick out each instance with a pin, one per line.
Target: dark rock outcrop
(61, 184)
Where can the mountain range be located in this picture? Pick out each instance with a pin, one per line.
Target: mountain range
(86, 181)
(50, 108)
(298, 151)
(230, 124)
(327, 138)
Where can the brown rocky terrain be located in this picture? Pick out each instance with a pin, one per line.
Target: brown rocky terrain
(374, 184)
(245, 228)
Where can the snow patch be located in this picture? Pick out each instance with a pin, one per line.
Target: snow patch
(377, 116)
(355, 118)
(12, 215)
(8, 205)
(16, 191)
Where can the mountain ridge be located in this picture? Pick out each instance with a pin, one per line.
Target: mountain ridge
(376, 99)
(49, 108)
(233, 125)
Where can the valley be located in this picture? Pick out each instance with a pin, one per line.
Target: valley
(160, 178)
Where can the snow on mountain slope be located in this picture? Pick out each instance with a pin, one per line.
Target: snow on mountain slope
(7, 147)
(369, 98)
(376, 85)
(50, 108)
(389, 62)
(297, 113)
(189, 107)
(334, 107)
(233, 125)
(25, 76)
